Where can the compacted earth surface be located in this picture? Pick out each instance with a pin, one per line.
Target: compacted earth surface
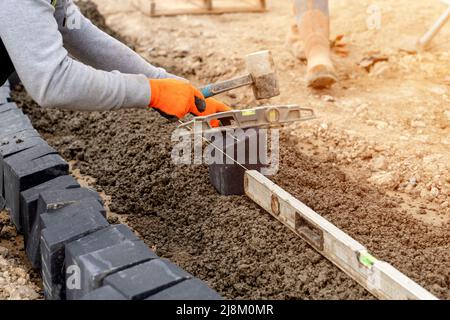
(358, 165)
(227, 241)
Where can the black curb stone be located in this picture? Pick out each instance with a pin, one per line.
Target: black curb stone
(228, 179)
(97, 265)
(29, 200)
(67, 225)
(13, 121)
(49, 201)
(11, 114)
(26, 170)
(104, 293)
(56, 199)
(193, 289)
(12, 144)
(7, 107)
(141, 281)
(59, 228)
(99, 240)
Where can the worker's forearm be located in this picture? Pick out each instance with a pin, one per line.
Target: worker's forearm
(75, 86)
(30, 34)
(92, 46)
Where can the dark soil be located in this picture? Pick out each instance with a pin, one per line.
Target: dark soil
(239, 249)
(227, 241)
(419, 250)
(10, 239)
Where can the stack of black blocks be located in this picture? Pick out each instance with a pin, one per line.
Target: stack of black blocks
(67, 236)
(236, 152)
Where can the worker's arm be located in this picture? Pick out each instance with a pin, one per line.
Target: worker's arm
(90, 45)
(30, 34)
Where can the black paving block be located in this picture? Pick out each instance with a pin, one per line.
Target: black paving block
(12, 138)
(13, 122)
(29, 199)
(19, 158)
(10, 116)
(11, 113)
(146, 279)
(7, 107)
(96, 265)
(52, 200)
(19, 135)
(23, 171)
(228, 178)
(18, 144)
(96, 241)
(11, 144)
(60, 227)
(106, 293)
(193, 289)
(101, 239)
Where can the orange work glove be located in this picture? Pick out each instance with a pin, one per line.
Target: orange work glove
(174, 99)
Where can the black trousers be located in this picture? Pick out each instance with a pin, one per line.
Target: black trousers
(6, 65)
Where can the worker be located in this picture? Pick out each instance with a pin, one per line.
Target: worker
(310, 39)
(64, 61)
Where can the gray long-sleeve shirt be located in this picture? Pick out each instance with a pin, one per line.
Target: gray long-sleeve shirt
(105, 74)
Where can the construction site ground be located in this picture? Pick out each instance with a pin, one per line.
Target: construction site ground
(375, 163)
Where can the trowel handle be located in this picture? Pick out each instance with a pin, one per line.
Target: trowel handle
(224, 86)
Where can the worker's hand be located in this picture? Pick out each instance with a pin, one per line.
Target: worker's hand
(174, 99)
(213, 104)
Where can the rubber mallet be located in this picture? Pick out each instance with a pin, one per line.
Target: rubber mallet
(261, 76)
